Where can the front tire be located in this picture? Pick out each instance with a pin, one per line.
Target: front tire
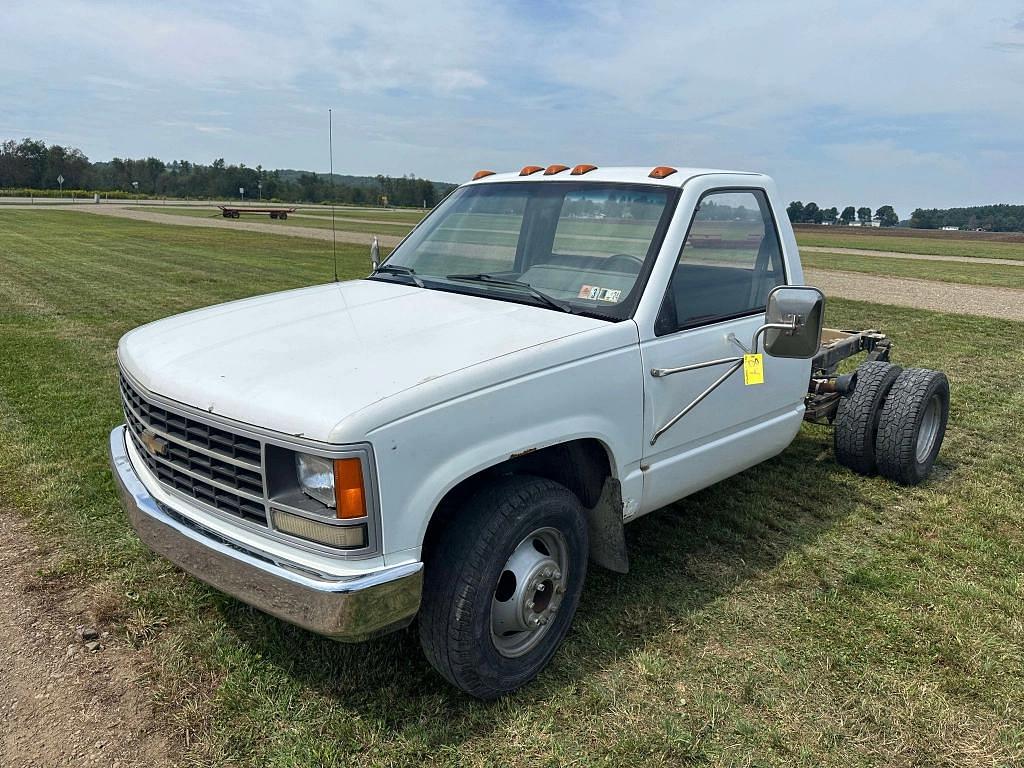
(502, 585)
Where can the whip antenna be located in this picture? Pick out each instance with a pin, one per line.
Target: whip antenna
(334, 235)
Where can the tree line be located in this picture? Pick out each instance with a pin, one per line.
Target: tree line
(30, 164)
(992, 218)
(812, 214)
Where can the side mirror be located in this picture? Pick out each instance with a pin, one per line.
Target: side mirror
(793, 322)
(375, 252)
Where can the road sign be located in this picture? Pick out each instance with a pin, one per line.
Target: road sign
(241, 190)
(60, 179)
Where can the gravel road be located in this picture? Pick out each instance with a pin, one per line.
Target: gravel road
(986, 301)
(359, 238)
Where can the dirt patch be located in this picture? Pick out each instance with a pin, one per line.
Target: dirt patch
(957, 298)
(63, 702)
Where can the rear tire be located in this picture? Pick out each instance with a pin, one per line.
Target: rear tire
(913, 425)
(858, 414)
(502, 585)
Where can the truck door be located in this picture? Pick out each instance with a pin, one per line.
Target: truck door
(730, 260)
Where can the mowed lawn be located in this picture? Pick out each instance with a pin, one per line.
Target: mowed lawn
(835, 237)
(1006, 276)
(794, 615)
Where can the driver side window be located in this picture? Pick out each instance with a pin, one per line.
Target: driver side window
(730, 261)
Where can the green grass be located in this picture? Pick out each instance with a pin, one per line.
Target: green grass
(317, 222)
(1007, 276)
(794, 615)
(836, 238)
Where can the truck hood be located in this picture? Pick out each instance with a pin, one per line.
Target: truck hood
(301, 361)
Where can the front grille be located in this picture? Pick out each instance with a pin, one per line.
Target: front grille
(208, 463)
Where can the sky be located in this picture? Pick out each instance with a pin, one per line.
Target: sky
(914, 104)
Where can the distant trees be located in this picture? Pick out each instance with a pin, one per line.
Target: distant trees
(993, 218)
(886, 216)
(30, 164)
(799, 213)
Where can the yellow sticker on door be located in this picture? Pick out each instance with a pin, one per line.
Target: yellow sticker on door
(753, 369)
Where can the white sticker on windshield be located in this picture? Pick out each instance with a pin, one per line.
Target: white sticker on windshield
(599, 294)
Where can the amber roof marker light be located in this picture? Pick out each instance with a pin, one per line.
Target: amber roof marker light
(530, 169)
(661, 172)
(481, 174)
(551, 170)
(582, 168)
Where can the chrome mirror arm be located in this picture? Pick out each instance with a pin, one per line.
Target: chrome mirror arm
(792, 325)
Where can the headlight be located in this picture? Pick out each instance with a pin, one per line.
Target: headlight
(316, 478)
(337, 484)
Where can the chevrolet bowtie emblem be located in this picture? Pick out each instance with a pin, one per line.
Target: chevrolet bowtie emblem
(154, 443)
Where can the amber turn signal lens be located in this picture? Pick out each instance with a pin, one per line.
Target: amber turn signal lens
(551, 170)
(481, 174)
(530, 169)
(661, 172)
(348, 489)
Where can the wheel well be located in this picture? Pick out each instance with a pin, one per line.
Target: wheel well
(582, 466)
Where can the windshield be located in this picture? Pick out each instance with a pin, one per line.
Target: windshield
(581, 247)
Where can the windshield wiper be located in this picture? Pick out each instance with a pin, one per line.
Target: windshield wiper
(483, 277)
(398, 269)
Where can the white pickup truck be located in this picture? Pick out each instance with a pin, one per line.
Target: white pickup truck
(549, 355)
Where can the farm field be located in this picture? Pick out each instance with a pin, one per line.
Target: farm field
(1008, 276)
(794, 615)
(834, 237)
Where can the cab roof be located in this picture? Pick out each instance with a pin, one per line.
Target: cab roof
(640, 174)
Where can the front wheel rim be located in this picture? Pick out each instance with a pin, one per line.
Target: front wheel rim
(529, 592)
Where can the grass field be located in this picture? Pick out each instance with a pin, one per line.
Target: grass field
(1008, 276)
(836, 238)
(794, 615)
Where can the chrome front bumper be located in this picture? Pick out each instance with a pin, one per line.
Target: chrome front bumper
(349, 609)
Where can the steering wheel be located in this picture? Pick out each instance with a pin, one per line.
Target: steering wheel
(634, 265)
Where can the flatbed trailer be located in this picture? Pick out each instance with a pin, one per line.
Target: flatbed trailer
(235, 211)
